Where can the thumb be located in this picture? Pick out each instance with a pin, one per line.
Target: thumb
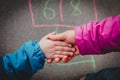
(57, 37)
(53, 33)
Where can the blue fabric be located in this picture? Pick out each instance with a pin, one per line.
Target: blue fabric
(3, 75)
(23, 63)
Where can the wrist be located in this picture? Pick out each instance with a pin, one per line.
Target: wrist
(42, 49)
(77, 52)
(70, 36)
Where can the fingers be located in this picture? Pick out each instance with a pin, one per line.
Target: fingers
(66, 59)
(62, 48)
(57, 37)
(57, 60)
(50, 34)
(53, 33)
(49, 61)
(58, 56)
(64, 53)
(63, 58)
(61, 43)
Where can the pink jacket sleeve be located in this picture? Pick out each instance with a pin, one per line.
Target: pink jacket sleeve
(99, 37)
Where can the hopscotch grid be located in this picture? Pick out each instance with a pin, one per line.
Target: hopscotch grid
(61, 16)
(92, 60)
(95, 9)
(61, 10)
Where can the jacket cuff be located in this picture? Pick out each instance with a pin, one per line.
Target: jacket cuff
(38, 58)
(79, 41)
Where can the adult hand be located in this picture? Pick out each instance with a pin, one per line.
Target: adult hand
(69, 37)
(53, 49)
(68, 58)
(65, 58)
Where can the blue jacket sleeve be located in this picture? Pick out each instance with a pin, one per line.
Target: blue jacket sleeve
(3, 75)
(23, 63)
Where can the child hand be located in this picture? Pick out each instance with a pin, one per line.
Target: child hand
(65, 58)
(67, 36)
(53, 49)
(68, 58)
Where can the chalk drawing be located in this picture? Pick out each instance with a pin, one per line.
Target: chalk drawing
(92, 61)
(76, 10)
(47, 10)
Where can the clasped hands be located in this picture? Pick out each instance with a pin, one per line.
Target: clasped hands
(59, 47)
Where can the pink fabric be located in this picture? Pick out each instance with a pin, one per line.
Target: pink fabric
(99, 37)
